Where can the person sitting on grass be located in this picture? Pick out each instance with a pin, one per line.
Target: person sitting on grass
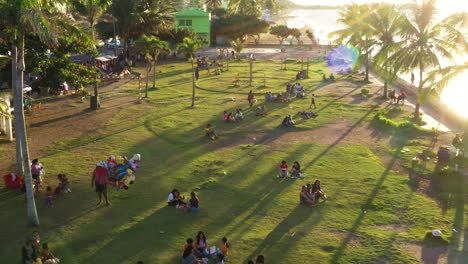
(188, 256)
(239, 115)
(194, 202)
(174, 198)
(279, 97)
(260, 110)
(304, 197)
(201, 243)
(210, 132)
(287, 121)
(296, 169)
(307, 114)
(28, 252)
(219, 258)
(224, 247)
(317, 191)
(47, 256)
(283, 169)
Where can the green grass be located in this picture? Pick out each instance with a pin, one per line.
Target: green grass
(235, 179)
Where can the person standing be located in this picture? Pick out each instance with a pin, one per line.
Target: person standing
(251, 98)
(412, 79)
(312, 102)
(99, 180)
(197, 73)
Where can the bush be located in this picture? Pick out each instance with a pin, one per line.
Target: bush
(365, 92)
(383, 122)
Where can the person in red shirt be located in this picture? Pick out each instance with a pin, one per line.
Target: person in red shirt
(283, 169)
(99, 180)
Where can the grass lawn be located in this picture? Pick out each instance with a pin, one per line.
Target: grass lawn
(371, 213)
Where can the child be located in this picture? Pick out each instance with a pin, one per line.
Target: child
(283, 169)
(49, 199)
(224, 247)
(312, 102)
(64, 184)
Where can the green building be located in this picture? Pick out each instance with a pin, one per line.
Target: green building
(195, 20)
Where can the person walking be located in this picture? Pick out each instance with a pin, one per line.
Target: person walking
(312, 102)
(99, 180)
(412, 79)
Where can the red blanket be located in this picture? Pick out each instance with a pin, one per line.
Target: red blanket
(12, 184)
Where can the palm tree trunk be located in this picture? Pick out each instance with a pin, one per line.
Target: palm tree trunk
(385, 89)
(19, 153)
(366, 79)
(251, 65)
(420, 88)
(148, 64)
(193, 82)
(154, 74)
(20, 131)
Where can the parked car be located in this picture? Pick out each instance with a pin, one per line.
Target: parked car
(112, 44)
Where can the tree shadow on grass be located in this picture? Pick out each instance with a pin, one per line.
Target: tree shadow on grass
(338, 254)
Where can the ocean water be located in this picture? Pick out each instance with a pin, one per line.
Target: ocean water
(322, 22)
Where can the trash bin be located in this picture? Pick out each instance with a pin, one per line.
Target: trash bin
(94, 102)
(44, 91)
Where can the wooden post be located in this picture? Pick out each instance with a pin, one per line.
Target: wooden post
(250, 64)
(264, 80)
(302, 63)
(307, 73)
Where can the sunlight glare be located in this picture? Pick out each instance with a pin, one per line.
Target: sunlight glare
(455, 95)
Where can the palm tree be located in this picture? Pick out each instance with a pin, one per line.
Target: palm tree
(91, 10)
(386, 23)
(213, 4)
(21, 17)
(244, 7)
(151, 47)
(357, 31)
(428, 41)
(188, 47)
(136, 17)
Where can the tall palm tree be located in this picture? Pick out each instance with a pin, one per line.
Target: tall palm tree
(91, 10)
(386, 24)
(245, 7)
(21, 17)
(188, 47)
(213, 4)
(151, 46)
(357, 31)
(427, 42)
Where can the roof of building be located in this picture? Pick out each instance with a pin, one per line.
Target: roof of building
(192, 13)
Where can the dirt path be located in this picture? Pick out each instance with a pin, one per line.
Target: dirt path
(66, 117)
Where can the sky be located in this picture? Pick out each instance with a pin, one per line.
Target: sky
(447, 6)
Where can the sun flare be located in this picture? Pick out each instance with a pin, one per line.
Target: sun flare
(455, 96)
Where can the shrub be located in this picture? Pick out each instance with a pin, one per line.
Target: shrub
(365, 92)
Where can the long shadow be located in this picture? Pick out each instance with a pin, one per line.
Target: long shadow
(335, 100)
(343, 136)
(339, 252)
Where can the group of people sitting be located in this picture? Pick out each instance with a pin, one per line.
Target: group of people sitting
(295, 89)
(311, 193)
(175, 199)
(198, 252)
(294, 173)
(288, 121)
(396, 98)
(35, 253)
(229, 117)
(278, 98)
